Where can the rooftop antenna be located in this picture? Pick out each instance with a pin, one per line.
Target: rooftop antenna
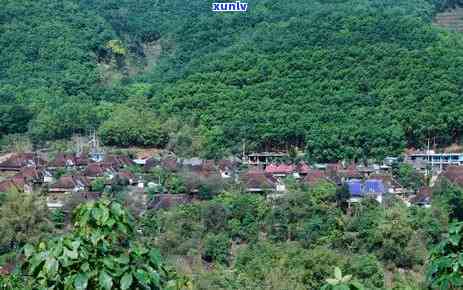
(96, 153)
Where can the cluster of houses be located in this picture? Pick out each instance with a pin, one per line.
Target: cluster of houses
(30, 172)
(71, 175)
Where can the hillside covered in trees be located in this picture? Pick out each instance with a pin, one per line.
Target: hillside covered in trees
(340, 79)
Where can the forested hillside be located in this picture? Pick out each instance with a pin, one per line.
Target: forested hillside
(341, 79)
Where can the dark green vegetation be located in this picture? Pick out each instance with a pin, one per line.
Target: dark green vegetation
(295, 242)
(236, 241)
(342, 79)
(101, 252)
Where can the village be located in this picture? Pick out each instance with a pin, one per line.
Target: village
(161, 180)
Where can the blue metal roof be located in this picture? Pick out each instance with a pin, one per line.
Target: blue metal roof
(374, 186)
(355, 188)
(359, 189)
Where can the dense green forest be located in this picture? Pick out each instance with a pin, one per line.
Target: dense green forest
(340, 79)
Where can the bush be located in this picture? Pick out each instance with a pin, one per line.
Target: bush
(217, 248)
(368, 270)
(100, 253)
(176, 184)
(58, 217)
(215, 217)
(98, 185)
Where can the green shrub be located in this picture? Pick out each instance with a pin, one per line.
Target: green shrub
(100, 253)
(217, 248)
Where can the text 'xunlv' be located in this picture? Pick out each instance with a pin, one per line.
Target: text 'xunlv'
(230, 7)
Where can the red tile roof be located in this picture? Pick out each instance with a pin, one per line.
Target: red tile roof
(20, 160)
(16, 183)
(350, 172)
(280, 169)
(69, 183)
(98, 169)
(32, 174)
(118, 160)
(226, 164)
(302, 168)
(256, 178)
(64, 160)
(454, 174)
(7, 269)
(315, 176)
(207, 169)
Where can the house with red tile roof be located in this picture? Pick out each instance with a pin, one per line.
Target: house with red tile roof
(7, 269)
(55, 200)
(206, 169)
(169, 164)
(350, 173)
(36, 175)
(69, 184)
(280, 170)
(454, 174)
(20, 160)
(315, 176)
(333, 168)
(69, 160)
(63, 160)
(259, 181)
(100, 169)
(118, 161)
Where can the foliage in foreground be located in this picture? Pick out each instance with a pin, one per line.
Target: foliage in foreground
(100, 253)
(446, 266)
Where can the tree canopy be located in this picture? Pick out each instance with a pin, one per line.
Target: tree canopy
(343, 80)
